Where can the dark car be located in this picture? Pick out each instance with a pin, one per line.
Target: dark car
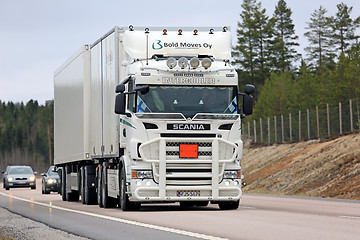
(19, 176)
(4, 175)
(50, 181)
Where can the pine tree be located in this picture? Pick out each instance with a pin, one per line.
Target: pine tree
(283, 44)
(344, 28)
(320, 51)
(253, 32)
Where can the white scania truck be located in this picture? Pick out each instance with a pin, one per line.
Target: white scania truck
(148, 115)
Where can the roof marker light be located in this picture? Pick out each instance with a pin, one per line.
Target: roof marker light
(225, 29)
(180, 32)
(131, 28)
(171, 62)
(183, 62)
(165, 31)
(195, 32)
(146, 30)
(211, 31)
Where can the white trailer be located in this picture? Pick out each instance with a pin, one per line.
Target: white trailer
(175, 133)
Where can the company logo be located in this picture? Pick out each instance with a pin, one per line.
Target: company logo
(188, 126)
(157, 45)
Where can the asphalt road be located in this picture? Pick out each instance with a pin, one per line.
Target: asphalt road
(259, 217)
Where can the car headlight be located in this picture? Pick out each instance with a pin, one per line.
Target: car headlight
(10, 179)
(32, 178)
(232, 174)
(51, 180)
(142, 174)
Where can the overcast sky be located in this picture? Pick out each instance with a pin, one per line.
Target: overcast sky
(37, 36)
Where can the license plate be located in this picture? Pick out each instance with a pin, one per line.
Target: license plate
(195, 193)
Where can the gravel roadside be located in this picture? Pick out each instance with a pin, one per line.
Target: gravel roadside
(16, 227)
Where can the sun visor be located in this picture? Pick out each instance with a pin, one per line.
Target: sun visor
(141, 44)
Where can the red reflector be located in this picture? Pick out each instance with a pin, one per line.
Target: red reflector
(188, 151)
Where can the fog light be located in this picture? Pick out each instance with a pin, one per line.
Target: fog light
(194, 62)
(236, 182)
(148, 183)
(183, 62)
(138, 183)
(227, 183)
(206, 63)
(171, 62)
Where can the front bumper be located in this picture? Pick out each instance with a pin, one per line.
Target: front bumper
(147, 191)
(21, 184)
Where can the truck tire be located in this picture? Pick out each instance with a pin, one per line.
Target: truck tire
(82, 184)
(108, 202)
(124, 202)
(99, 186)
(229, 205)
(71, 196)
(89, 193)
(63, 184)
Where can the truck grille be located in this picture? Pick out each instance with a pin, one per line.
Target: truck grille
(188, 171)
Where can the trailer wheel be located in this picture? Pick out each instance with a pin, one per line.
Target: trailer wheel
(82, 184)
(229, 205)
(124, 202)
(99, 186)
(89, 193)
(63, 184)
(108, 202)
(71, 196)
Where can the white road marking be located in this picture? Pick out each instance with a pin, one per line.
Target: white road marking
(247, 207)
(351, 217)
(130, 222)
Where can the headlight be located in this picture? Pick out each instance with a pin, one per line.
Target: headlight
(32, 178)
(9, 179)
(142, 174)
(232, 174)
(51, 180)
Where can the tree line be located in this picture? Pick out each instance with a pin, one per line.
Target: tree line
(265, 55)
(25, 133)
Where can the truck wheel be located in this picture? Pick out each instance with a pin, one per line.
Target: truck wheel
(229, 205)
(82, 184)
(99, 186)
(71, 196)
(108, 202)
(63, 184)
(124, 202)
(89, 193)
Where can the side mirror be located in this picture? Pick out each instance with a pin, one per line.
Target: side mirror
(35, 173)
(248, 104)
(43, 174)
(144, 89)
(120, 88)
(249, 89)
(120, 103)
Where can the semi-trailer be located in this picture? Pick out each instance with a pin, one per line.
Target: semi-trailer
(146, 115)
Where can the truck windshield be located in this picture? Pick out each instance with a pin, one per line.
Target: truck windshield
(188, 100)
